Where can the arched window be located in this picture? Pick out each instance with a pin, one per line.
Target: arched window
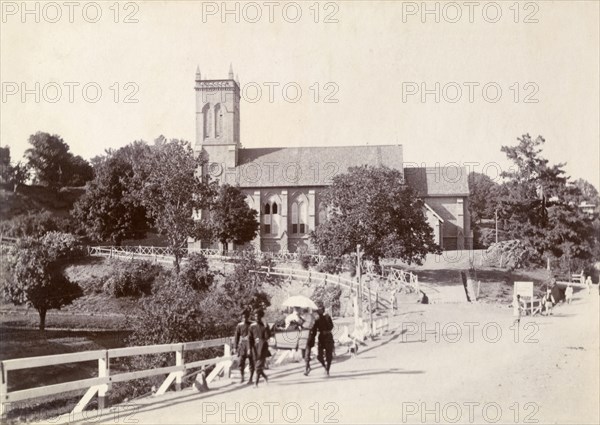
(218, 120)
(300, 215)
(207, 120)
(271, 217)
(295, 218)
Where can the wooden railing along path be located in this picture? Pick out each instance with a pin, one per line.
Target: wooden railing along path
(101, 384)
(388, 278)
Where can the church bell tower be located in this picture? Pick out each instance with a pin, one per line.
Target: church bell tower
(218, 120)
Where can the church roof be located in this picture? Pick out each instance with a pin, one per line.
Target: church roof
(309, 166)
(438, 181)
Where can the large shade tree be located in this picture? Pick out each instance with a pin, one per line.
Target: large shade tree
(170, 186)
(540, 209)
(231, 219)
(372, 206)
(53, 164)
(110, 210)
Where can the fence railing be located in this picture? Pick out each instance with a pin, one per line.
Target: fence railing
(7, 241)
(101, 384)
(388, 278)
(164, 254)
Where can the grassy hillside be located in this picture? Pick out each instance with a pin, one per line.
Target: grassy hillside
(36, 198)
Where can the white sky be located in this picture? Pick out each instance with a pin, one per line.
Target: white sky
(370, 54)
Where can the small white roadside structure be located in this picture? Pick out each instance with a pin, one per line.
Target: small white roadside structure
(525, 290)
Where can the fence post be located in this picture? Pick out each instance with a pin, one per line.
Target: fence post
(111, 252)
(3, 390)
(179, 362)
(227, 353)
(103, 372)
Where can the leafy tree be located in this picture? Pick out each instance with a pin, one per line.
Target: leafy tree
(372, 206)
(231, 219)
(110, 209)
(5, 163)
(483, 199)
(172, 191)
(539, 208)
(12, 174)
(482, 192)
(19, 174)
(35, 275)
(587, 192)
(54, 165)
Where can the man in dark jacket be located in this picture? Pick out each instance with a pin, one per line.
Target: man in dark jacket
(325, 344)
(258, 336)
(242, 345)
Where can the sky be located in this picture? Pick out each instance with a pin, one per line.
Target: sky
(452, 82)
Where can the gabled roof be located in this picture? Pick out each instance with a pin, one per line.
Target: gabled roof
(308, 166)
(438, 181)
(436, 215)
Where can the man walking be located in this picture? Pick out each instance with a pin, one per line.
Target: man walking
(258, 336)
(325, 344)
(242, 345)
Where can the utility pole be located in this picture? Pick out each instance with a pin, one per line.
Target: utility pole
(496, 215)
(370, 308)
(359, 274)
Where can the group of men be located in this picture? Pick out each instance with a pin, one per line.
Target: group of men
(251, 344)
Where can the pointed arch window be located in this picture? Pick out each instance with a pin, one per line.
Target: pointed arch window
(207, 120)
(300, 216)
(218, 120)
(271, 217)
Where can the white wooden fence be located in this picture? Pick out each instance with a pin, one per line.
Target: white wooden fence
(165, 254)
(391, 279)
(102, 383)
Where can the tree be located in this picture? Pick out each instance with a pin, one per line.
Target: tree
(539, 208)
(12, 174)
(372, 206)
(172, 191)
(482, 201)
(231, 219)
(587, 192)
(483, 194)
(54, 165)
(110, 208)
(35, 273)
(5, 164)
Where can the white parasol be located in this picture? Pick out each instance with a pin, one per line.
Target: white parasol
(299, 301)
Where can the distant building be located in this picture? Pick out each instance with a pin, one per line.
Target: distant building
(587, 208)
(284, 185)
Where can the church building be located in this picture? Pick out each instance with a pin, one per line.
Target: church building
(285, 185)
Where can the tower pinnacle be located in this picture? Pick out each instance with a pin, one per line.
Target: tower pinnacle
(230, 71)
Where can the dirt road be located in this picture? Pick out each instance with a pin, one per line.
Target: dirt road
(444, 363)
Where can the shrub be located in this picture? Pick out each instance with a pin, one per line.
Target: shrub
(63, 245)
(330, 295)
(196, 274)
(34, 224)
(134, 281)
(330, 265)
